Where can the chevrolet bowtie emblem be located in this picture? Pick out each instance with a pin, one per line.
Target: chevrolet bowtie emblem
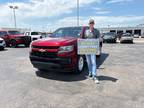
(42, 50)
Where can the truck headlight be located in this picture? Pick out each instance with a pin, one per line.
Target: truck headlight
(66, 49)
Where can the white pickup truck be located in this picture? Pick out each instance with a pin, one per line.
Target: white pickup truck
(34, 35)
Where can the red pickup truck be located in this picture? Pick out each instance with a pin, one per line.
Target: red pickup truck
(59, 51)
(14, 38)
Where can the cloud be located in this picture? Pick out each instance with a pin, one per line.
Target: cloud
(100, 21)
(48, 8)
(34, 9)
(101, 11)
(119, 1)
(37, 14)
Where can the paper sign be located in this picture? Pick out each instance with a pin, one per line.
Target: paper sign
(88, 46)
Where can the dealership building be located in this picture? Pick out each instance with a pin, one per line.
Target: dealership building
(133, 30)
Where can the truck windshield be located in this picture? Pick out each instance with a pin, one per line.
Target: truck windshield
(109, 34)
(3, 33)
(14, 32)
(69, 31)
(35, 33)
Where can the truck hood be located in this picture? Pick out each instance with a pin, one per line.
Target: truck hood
(54, 41)
(20, 35)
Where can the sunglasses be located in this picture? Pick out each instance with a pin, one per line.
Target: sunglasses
(91, 23)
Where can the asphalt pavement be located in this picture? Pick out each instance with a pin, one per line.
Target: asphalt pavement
(120, 71)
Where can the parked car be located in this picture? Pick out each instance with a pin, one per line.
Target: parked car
(126, 37)
(59, 51)
(13, 38)
(2, 44)
(136, 35)
(110, 37)
(142, 36)
(34, 35)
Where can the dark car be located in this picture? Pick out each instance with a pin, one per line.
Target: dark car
(110, 37)
(59, 51)
(13, 38)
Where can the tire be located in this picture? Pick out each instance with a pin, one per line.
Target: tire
(13, 43)
(26, 45)
(114, 41)
(7, 44)
(2, 48)
(80, 65)
(42, 70)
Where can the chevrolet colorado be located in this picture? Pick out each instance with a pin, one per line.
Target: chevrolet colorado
(59, 51)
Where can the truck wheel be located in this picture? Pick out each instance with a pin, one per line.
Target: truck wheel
(114, 41)
(7, 44)
(13, 43)
(1, 48)
(42, 70)
(26, 45)
(80, 65)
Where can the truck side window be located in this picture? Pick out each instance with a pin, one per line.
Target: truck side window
(3, 33)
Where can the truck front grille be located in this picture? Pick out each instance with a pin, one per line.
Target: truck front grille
(26, 39)
(44, 54)
(46, 47)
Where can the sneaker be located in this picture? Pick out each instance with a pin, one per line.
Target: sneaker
(96, 80)
(90, 75)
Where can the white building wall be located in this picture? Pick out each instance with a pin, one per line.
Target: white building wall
(104, 30)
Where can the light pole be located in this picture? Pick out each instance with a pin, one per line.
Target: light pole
(77, 12)
(13, 8)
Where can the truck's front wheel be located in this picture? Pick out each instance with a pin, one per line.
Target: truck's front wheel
(80, 65)
(1, 48)
(27, 45)
(13, 43)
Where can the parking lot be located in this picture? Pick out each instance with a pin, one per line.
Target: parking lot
(120, 70)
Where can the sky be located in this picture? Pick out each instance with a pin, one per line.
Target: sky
(48, 15)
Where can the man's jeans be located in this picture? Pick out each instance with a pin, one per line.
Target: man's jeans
(91, 62)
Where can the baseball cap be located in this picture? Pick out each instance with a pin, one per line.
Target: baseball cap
(91, 21)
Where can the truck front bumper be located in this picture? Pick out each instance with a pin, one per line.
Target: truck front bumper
(58, 64)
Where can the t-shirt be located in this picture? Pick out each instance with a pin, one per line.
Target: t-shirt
(91, 34)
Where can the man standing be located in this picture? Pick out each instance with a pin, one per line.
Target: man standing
(91, 33)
